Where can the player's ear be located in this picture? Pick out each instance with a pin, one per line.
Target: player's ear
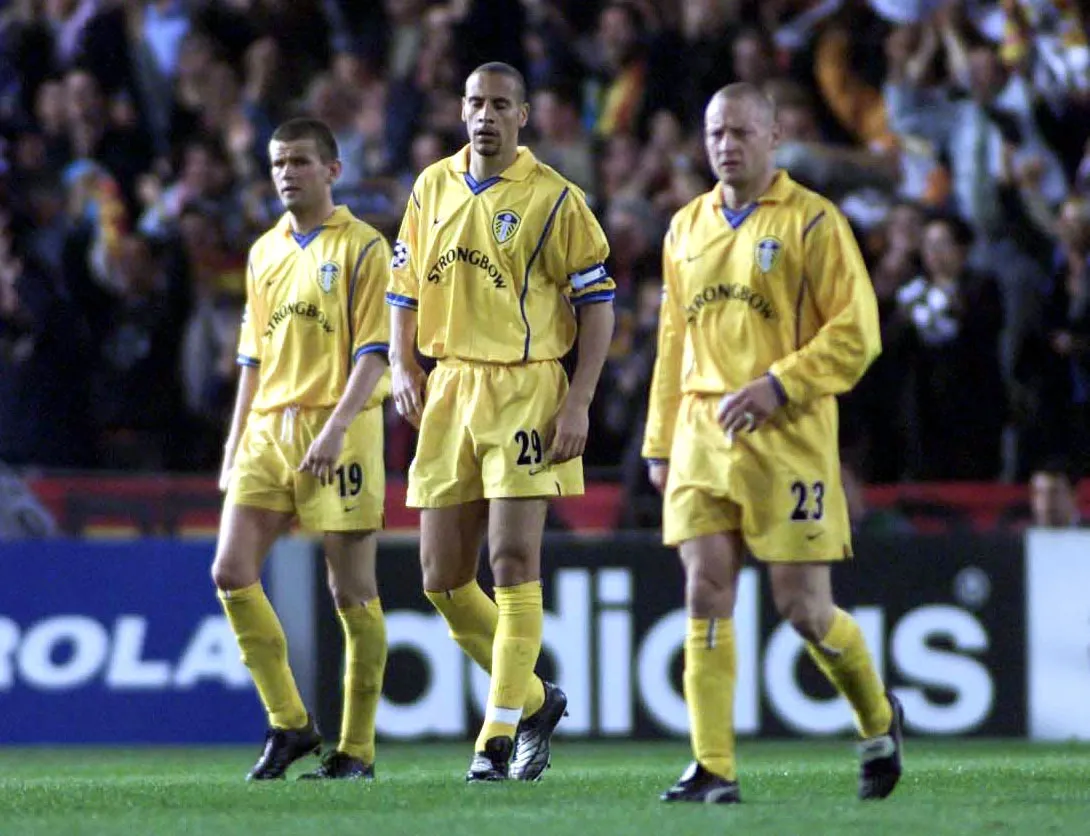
(334, 170)
(524, 114)
(465, 110)
(775, 132)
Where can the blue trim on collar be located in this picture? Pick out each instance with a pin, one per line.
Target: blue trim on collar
(476, 187)
(737, 217)
(304, 240)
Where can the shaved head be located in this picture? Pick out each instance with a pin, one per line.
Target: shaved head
(760, 103)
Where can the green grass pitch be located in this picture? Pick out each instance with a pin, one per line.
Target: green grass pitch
(789, 789)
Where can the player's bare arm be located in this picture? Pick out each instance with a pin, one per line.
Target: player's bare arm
(569, 436)
(408, 378)
(244, 398)
(325, 451)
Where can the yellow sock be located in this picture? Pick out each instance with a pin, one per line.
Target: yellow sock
(364, 664)
(843, 657)
(265, 652)
(517, 645)
(709, 693)
(472, 617)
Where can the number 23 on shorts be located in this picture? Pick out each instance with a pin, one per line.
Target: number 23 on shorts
(808, 500)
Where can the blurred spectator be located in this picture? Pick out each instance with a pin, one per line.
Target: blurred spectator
(1052, 495)
(562, 141)
(618, 95)
(876, 416)
(134, 392)
(627, 385)
(1054, 365)
(955, 318)
(43, 363)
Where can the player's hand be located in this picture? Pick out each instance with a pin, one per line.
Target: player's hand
(407, 383)
(657, 473)
(569, 435)
(325, 450)
(749, 407)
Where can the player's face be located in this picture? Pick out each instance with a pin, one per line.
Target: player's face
(302, 180)
(739, 137)
(493, 113)
(942, 255)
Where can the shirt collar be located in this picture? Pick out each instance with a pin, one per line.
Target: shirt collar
(777, 191)
(341, 216)
(520, 169)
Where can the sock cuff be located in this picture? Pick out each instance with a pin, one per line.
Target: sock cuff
(455, 596)
(842, 631)
(246, 593)
(371, 608)
(710, 632)
(523, 594)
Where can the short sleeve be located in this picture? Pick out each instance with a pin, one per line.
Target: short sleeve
(370, 323)
(249, 347)
(585, 252)
(403, 290)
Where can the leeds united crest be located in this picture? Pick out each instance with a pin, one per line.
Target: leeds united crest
(504, 225)
(767, 253)
(327, 275)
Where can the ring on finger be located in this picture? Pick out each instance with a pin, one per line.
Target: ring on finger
(751, 420)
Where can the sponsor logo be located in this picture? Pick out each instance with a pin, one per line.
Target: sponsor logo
(611, 670)
(474, 258)
(68, 652)
(717, 294)
(306, 310)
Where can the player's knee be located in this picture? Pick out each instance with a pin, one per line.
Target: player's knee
(229, 577)
(805, 615)
(707, 594)
(512, 566)
(353, 594)
(444, 570)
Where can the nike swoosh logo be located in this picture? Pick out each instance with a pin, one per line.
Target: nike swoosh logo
(270, 282)
(436, 222)
(350, 508)
(534, 471)
(695, 257)
(814, 536)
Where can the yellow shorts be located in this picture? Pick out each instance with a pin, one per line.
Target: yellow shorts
(266, 472)
(780, 486)
(483, 433)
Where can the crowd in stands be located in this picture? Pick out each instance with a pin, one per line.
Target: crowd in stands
(953, 134)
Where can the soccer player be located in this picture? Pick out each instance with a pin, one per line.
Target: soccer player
(498, 267)
(306, 441)
(767, 314)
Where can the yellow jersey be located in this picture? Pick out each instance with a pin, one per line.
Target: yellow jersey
(778, 287)
(495, 269)
(314, 306)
